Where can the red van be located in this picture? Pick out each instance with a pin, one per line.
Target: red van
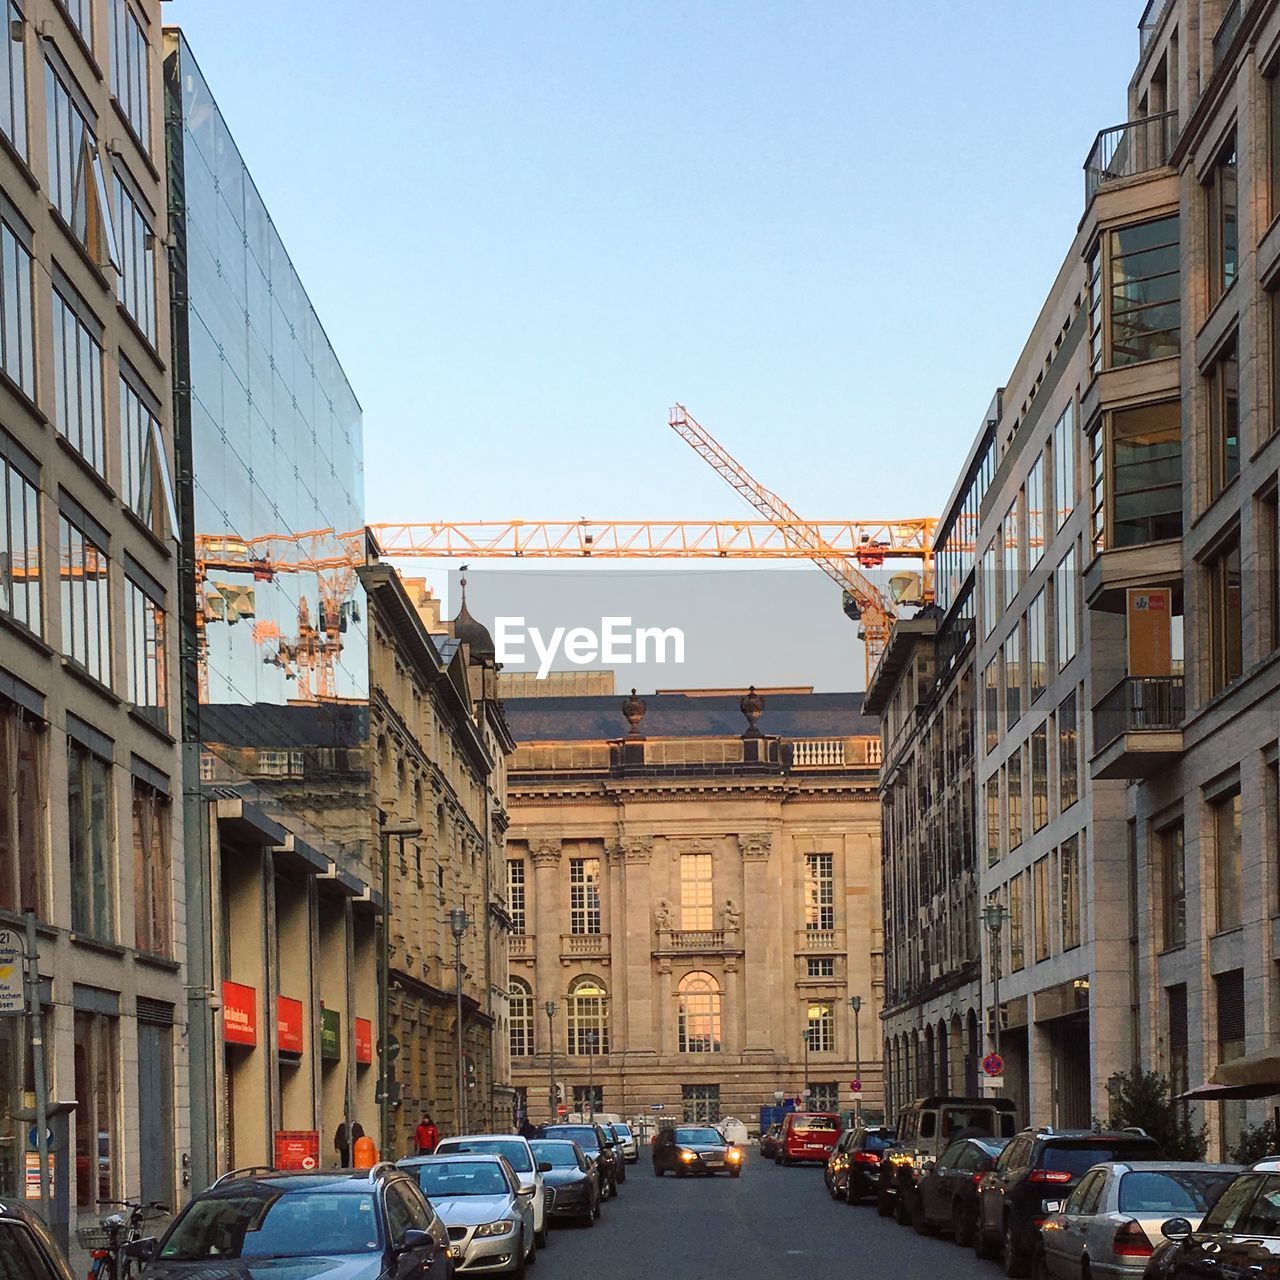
(808, 1135)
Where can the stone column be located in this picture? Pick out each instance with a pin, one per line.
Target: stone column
(548, 982)
(758, 965)
(639, 1029)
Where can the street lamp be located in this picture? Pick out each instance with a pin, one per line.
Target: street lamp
(402, 830)
(459, 923)
(994, 914)
(855, 1003)
(550, 1007)
(804, 1084)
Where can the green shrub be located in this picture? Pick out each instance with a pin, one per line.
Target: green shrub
(1145, 1099)
(1256, 1143)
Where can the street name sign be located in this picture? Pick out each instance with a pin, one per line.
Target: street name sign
(13, 963)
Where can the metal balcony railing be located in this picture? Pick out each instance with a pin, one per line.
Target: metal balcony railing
(1138, 703)
(1149, 21)
(1128, 149)
(1226, 32)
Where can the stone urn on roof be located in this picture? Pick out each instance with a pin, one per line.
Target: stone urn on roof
(752, 707)
(633, 710)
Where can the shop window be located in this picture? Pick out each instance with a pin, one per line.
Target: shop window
(96, 1117)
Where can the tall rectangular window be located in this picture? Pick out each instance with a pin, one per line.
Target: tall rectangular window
(987, 585)
(19, 535)
(1146, 480)
(1226, 644)
(17, 319)
(821, 1027)
(86, 616)
(136, 283)
(1269, 529)
(1069, 873)
(13, 78)
(140, 449)
(695, 891)
(23, 787)
(994, 825)
(1065, 608)
(76, 184)
(1017, 923)
(1036, 656)
(1228, 866)
(1231, 1009)
(1224, 420)
(515, 894)
(1012, 655)
(97, 1113)
(1173, 884)
(1039, 776)
(81, 14)
(1145, 292)
(77, 380)
(1064, 466)
(1095, 311)
(1014, 795)
(1176, 1020)
(145, 653)
(819, 891)
(1040, 888)
(131, 70)
(991, 703)
(1068, 754)
(520, 1019)
(1222, 222)
(584, 895)
(152, 871)
(1098, 488)
(1012, 532)
(91, 839)
(1273, 143)
(1036, 523)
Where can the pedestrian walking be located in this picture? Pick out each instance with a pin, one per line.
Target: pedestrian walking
(528, 1129)
(426, 1135)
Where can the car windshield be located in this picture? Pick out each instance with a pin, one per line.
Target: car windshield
(514, 1149)
(622, 1130)
(815, 1124)
(1177, 1191)
(461, 1178)
(275, 1224)
(879, 1141)
(699, 1136)
(1075, 1157)
(559, 1155)
(583, 1134)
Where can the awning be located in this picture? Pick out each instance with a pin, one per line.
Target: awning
(1255, 1075)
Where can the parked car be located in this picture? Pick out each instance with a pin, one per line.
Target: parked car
(573, 1181)
(30, 1251)
(1111, 1221)
(866, 1158)
(808, 1136)
(1042, 1165)
(591, 1138)
(630, 1143)
(926, 1128)
(947, 1194)
(614, 1139)
(1238, 1237)
(769, 1141)
(835, 1173)
(695, 1148)
(519, 1155)
(370, 1224)
(734, 1131)
(486, 1210)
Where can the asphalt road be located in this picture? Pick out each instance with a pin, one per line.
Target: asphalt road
(769, 1223)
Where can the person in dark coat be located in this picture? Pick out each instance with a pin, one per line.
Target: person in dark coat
(342, 1145)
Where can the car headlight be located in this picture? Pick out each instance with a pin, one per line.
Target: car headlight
(733, 1156)
(499, 1228)
(688, 1156)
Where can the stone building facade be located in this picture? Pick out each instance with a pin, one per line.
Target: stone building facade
(692, 902)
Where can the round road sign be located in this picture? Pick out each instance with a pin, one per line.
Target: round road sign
(855, 1085)
(308, 1162)
(993, 1065)
(562, 1110)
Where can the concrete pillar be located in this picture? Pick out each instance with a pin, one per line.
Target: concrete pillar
(761, 899)
(548, 983)
(637, 1021)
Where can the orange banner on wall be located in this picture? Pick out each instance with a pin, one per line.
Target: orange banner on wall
(1150, 626)
(364, 1041)
(297, 1149)
(288, 1025)
(239, 1014)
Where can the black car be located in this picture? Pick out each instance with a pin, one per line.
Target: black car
(947, 1195)
(1042, 1166)
(370, 1224)
(614, 1139)
(28, 1250)
(593, 1140)
(1239, 1236)
(695, 1148)
(864, 1153)
(572, 1181)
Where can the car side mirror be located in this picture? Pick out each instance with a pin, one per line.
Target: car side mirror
(1176, 1229)
(526, 1192)
(141, 1250)
(415, 1239)
(544, 1166)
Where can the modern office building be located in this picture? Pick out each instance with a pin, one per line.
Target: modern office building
(90, 782)
(923, 692)
(284, 899)
(694, 900)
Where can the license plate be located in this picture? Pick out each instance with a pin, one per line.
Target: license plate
(715, 1164)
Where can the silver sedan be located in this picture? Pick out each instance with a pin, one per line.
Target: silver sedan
(488, 1214)
(1110, 1223)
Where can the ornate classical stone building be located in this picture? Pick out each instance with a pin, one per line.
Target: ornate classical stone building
(692, 901)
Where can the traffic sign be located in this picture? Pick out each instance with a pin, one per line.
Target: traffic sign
(31, 1138)
(855, 1085)
(13, 963)
(856, 1095)
(657, 1106)
(562, 1110)
(993, 1065)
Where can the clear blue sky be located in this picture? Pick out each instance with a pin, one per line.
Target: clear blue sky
(529, 227)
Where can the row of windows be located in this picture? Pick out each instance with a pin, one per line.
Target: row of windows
(1043, 906)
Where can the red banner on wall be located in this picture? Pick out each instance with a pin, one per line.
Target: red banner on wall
(364, 1041)
(288, 1024)
(239, 1014)
(297, 1149)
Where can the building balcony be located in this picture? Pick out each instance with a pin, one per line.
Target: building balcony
(821, 941)
(1137, 727)
(1129, 150)
(1111, 573)
(697, 942)
(584, 946)
(805, 754)
(520, 946)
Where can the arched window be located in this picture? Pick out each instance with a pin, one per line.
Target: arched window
(588, 1017)
(520, 1018)
(699, 1014)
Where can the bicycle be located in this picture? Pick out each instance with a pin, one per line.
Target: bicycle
(108, 1241)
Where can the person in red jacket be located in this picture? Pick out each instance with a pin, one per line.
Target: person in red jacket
(426, 1135)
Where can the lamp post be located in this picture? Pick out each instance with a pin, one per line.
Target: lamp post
(550, 1007)
(591, 1073)
(994, 914)
(402, 830)
(459, 923)
(804, 1084)
(855, 1003)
